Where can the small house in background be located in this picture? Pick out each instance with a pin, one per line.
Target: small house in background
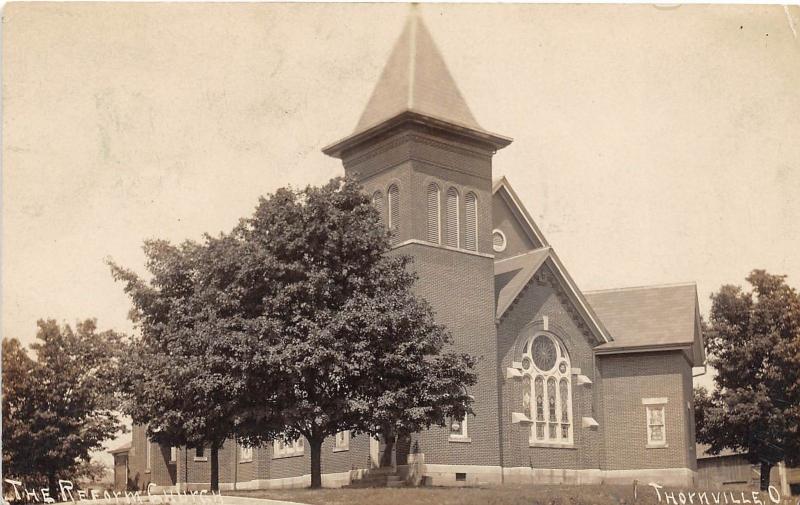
(121, 466)
(731, 470)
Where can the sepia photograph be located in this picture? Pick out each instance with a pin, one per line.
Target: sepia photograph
(395, 253)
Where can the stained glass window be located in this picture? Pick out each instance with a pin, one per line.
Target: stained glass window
(546, 379)
(544, 353)
(539, 399)
(526, 395)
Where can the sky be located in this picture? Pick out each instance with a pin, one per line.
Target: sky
(651, 144)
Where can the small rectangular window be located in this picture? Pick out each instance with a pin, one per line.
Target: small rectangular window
(173, 454)
(342, 441)
(281, 449)
(245, 454)
(461, 476)
(200, 454)
(458, 430)
(655, 416)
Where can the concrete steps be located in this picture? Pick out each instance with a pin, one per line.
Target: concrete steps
(378, 477)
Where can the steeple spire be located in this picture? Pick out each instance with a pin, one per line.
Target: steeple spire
(416, 88)
(416, 79)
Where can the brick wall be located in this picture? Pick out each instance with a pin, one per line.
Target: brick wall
(460, 288)
(523, 319)
(626, 380)
(264, 466)
(458, 285)
(138, 474)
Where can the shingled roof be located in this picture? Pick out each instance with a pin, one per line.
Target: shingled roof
(416, 88)
(511, 275)
(649, 317)
(416, 78)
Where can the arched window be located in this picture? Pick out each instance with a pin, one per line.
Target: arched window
(377, 202)
(451, 219)
(394, 212)
(547, 394)
(434, 212)
(471, 214)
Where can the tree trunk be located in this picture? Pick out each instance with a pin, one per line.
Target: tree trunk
(765, 470)
(316, 462)
(52, 485)
(214, 467)
(388, 438)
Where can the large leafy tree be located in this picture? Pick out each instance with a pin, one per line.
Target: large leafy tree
(355, 348)
(753, 343)
(298, 323)
(60, 406)
(185, 375)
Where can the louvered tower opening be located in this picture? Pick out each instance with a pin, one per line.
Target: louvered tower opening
(434, 234)
(471, 218)
(394, 212)
(451, 218)
(377, 202)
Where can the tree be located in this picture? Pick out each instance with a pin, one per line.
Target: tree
(297, 323)
(61, 406)
(753, 343)
(354, 347)
(185, 376)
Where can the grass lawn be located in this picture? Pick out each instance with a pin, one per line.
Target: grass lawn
(487, 495)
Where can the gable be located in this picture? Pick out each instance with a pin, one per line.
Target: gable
(510, 217)
(515, 275)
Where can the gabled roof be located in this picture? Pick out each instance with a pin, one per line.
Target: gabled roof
(650, 317)
(513, 274)
(416, 78)
(503, 188)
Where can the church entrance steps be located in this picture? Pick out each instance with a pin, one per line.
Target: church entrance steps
(378, 477)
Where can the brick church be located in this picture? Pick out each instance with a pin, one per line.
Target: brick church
(574, 387)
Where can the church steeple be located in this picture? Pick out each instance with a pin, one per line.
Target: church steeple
(416, 86)
(426, 165)
(416, 78)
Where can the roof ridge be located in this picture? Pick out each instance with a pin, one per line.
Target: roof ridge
(634, 288)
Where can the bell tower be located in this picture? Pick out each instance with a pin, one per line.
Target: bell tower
(427, 164)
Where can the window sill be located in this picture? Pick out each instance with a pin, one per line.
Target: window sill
(245, 461)
(147, 470)
(173, 462)
(284, 456)
(341, 449)
(658, 446)
(460, 440)
(204, 458)
(551, 445)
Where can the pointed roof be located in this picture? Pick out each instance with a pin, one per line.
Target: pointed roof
(503, 188)
(513, 274)
(416, 87)
(416, 78)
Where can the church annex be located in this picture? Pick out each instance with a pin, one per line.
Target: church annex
(574, 387)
